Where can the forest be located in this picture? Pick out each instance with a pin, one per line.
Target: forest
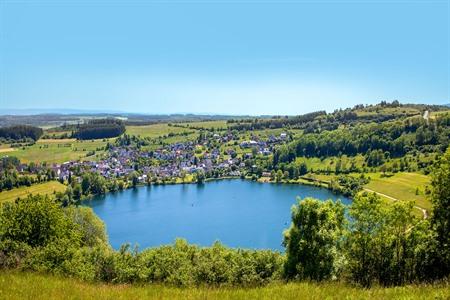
(20, 132)
(99, 129)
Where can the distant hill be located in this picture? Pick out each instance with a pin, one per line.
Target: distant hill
(54, 111)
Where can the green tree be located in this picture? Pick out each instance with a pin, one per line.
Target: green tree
(313, 240)
(279, 176)
(134, 179)
(364, 238)
(36, 221)
(77, 192)
(200, 176)
(92, 228)
(85, 183)
(440, 218)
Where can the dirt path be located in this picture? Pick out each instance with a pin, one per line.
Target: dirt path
(424, 211)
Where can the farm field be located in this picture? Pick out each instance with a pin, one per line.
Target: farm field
(46, 188)
(221, 124)
(402, 186)
(17, 285)
(154, 130)
(56, 150)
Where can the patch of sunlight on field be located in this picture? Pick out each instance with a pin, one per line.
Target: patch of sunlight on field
(4, 150)
(46, 188)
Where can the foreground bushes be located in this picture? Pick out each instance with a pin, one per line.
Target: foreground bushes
(37, 234)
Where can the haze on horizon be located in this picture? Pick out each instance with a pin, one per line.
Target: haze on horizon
(255, 58)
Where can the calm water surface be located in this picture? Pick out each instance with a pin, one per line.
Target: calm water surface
(239, 213)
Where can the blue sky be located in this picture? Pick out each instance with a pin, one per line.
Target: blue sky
(228, 57)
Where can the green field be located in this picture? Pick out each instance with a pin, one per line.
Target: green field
(56, 151)
(372, 111)
(402, 186)
(220, 124)
(434, 114)
(155, 130)
(46, 188)
(329, 163)
(16, 285)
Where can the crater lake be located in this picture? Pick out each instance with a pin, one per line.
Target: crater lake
(238, 213)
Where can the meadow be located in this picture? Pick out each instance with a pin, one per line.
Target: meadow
(27, 285)
(402, 186)
(155, 130)
(46, 188)
(57, 150)
(220, 124)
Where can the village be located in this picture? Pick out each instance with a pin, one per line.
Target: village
(177, 160)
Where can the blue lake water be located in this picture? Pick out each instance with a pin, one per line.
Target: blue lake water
(238, 213)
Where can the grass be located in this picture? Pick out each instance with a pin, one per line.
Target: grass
(220, 124)
(388, 110)
(46, 188)
(434, 114)
(56, 151)
(18, 285)
(154, 130)
(402, 186)
(329, 163)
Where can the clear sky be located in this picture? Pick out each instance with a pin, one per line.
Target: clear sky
(227, 57)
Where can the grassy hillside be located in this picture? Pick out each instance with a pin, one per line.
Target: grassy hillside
(154, 130)
(56, 150)
(16, 285)
(46, 188)
(220, 124)
(402, 186)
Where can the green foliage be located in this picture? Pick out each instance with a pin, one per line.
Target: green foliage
(199, 176)
(93, 183)
(441, 210)
(347, 185)
(92, 228)
(100, 128)
(385, 243)
(36, 233)
(313, 240)
(21, 132)
(36, 221)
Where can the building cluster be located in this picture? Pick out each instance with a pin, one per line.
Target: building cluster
(174, 160)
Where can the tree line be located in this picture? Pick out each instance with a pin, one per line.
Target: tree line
(21, 132)
(99, 129)
(394, 138)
